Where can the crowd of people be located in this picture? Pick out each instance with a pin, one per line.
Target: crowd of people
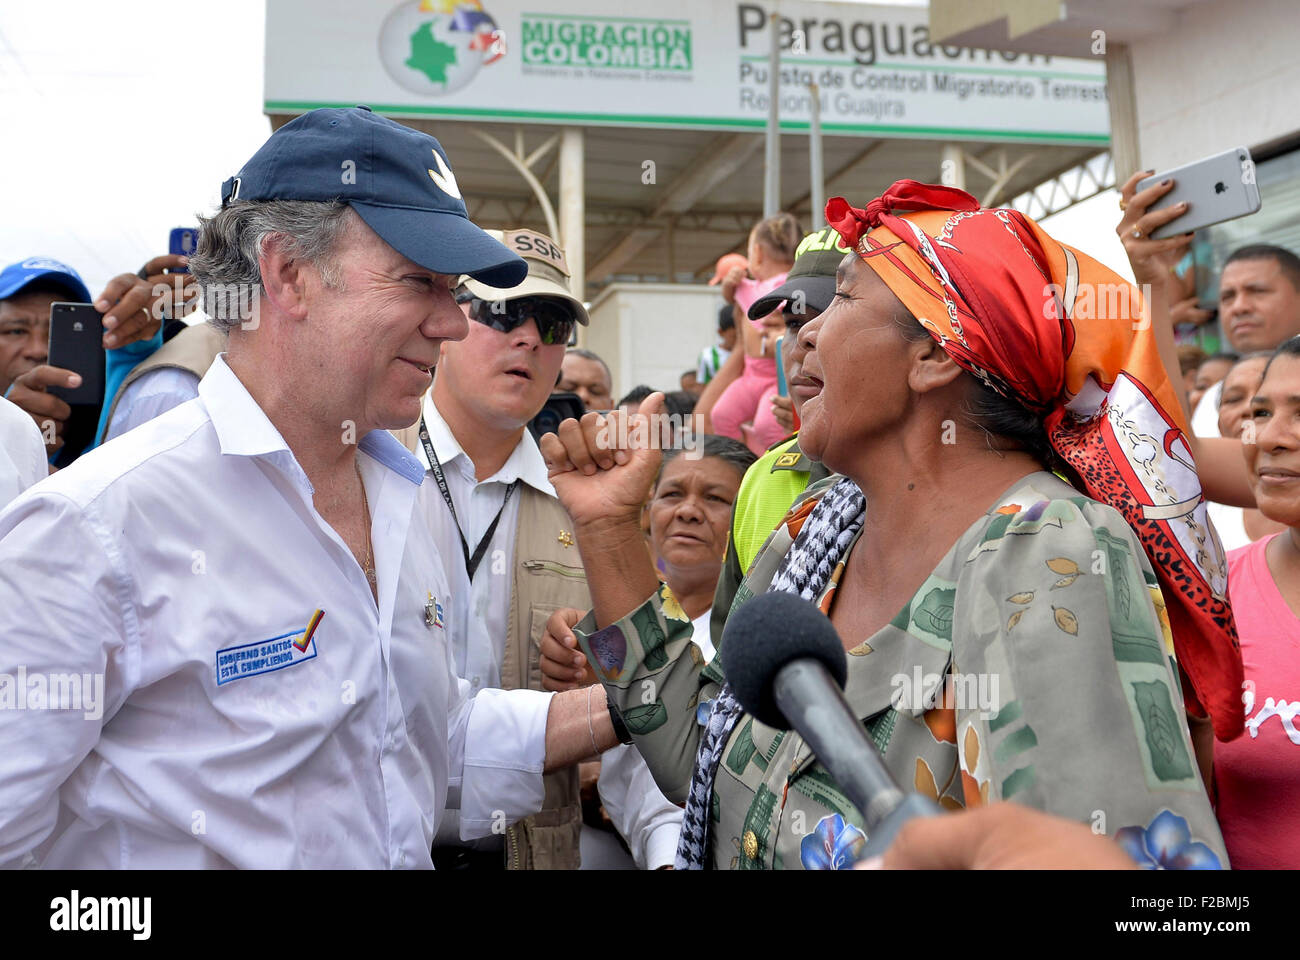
(305, 590)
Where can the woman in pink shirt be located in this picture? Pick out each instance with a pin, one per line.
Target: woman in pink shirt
(747, 400)
(1257, 775)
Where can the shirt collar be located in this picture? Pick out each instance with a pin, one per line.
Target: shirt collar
(244, 430)
(525, 462)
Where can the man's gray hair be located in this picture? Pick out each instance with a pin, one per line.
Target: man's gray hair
(226, 263)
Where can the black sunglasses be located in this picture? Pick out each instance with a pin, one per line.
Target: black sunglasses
(555, 319)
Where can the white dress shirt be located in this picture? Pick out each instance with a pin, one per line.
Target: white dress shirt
(177, 569)
(645, 817)
(22, 452)
(479, 640)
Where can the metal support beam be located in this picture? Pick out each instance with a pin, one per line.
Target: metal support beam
(518, 163)
(1123, 111)
(573, 204)
(817, 185)
(798, 202)
(952, 166)
(1081, 182)
(772, 169)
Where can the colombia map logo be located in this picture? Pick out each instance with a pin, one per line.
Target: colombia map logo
(436, 47)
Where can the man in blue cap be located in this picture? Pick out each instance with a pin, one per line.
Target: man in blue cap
(260, 647)
(27, 290)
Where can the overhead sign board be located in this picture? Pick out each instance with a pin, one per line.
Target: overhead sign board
(699, 65)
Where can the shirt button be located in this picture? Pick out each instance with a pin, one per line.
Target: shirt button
(401, 858)
(750, 842)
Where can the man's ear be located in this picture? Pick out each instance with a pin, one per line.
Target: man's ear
(932, 368)
(283, 278)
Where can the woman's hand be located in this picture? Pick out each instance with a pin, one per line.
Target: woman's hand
(602, 466)
(1152, 260)
(563, 665)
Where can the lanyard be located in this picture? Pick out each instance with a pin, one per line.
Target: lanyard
(471, 562)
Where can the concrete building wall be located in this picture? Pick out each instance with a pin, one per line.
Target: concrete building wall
(1227, 76)
(651, 332)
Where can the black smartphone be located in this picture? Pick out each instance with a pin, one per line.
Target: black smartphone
(77, 344)
(559, 407)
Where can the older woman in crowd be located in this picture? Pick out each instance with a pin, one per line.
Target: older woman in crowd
(1007, 632)
(689, 513)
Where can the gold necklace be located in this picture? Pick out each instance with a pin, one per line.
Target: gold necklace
(368, 568)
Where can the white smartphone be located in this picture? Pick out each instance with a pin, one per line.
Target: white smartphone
(1218, 188)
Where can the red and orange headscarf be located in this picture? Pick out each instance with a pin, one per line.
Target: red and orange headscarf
(1048, 325)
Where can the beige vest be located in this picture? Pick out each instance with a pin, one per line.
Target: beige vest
(193, 349)
(547, 575)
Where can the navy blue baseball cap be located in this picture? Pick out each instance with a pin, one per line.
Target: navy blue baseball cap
(397, 179)
(16, 276)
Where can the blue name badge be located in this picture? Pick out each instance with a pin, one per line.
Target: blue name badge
(265, 656)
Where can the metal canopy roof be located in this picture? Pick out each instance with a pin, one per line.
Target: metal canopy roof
(707, 188)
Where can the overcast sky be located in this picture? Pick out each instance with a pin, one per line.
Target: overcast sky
(122, 119)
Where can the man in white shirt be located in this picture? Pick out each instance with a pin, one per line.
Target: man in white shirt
(222, 642)
(491, 508)
(22, 452)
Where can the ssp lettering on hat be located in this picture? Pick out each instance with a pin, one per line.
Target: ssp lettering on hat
(548, 271)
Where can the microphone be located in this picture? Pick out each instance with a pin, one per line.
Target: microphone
(786, 666)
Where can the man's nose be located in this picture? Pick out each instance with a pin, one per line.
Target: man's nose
(37, 345)
(446, 321)
(526, 335)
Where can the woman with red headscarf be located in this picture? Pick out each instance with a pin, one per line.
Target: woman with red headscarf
(1008, 634)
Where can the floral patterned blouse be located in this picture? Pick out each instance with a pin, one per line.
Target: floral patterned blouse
(1034, 665)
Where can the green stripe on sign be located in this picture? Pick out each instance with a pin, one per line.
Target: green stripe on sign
(1020, 780)
(1008, 714)
(714, 123)
(1017, 742)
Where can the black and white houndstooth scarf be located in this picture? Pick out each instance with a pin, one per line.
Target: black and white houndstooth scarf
(805, 571)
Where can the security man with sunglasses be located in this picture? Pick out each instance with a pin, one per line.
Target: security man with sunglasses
(508, 547)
